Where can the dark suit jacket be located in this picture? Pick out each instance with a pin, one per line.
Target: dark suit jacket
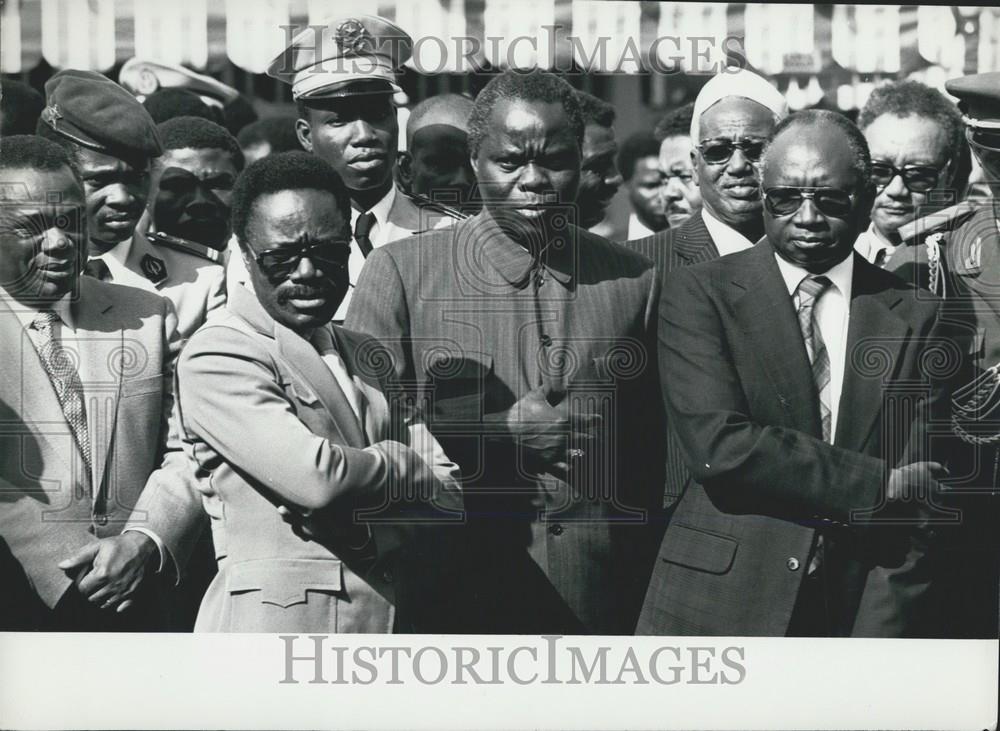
(738, 390)
(690, 243)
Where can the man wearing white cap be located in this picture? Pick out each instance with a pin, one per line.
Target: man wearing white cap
(343, 77)
(733, 114)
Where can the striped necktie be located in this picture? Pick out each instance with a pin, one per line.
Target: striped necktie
(65, 379)
(810, 290)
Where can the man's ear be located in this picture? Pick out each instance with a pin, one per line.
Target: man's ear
(304, 132)
(694, 167)
(404, 169)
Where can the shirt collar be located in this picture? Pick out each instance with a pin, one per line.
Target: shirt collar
(870, 242)
(727, 239)
(514, 262)
(380, 210)
(841, 275)
(25, 313)
(637, 229)
(116, 256)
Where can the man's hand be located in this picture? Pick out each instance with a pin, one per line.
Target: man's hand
(109, 570)
(541, 424)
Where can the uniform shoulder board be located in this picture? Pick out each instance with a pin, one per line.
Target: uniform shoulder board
(941, 221)
(158, 238)
(423, 202)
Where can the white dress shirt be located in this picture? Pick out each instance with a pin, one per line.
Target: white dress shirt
(637, 229)
(727, 239)
(61, 331)
(870, 243)
(833, 314)
(115, 258)
(322, 340)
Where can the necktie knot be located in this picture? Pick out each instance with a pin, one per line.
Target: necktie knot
(98, 269)
(362, 229)
(811, 288)
(44, 320)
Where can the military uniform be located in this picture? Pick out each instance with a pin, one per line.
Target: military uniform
(190, 275)
(353, 56)
(963, 249)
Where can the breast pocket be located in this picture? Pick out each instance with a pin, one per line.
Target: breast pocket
(698, 549)
(284, 595)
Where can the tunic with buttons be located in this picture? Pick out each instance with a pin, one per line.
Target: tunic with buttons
(474, 322)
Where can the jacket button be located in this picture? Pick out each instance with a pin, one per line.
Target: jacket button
(792, 564)
(556, 529)
(101, 519)
(387, 576)
(546, 340)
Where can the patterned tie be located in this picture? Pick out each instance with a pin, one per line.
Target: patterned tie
(810, 290)
(65, 380)
(361, 229)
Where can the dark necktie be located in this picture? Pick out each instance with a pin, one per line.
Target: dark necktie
(98, 269)
(362, 227)
(810, 290)
(880, 257)
(65, 380)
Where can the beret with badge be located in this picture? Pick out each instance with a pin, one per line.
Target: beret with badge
(93, 111)
(360, 54)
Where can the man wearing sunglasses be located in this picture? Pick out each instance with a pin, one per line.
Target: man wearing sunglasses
(915, 136)
(781, 421)
(286, 413)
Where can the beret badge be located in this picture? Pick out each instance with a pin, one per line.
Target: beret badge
(51, 115)
(353, 38)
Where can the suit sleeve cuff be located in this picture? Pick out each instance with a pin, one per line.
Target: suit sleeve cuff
(161, 548)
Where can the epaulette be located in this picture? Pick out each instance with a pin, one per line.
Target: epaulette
(941, 221)
(158, 238)
(421, 201)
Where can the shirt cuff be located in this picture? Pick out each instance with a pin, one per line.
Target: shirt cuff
(160, 547)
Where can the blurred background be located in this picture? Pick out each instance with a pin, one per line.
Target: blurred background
(645, 58)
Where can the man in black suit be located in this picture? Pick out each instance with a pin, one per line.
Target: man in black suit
(780, 368)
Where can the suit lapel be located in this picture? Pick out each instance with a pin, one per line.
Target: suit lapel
(693, 242)
(103, 359)
(875, 335)
(305, 362)
(761, 304)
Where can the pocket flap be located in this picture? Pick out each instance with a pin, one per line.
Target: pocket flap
(139, 386)
(697, 549)
(284, 582)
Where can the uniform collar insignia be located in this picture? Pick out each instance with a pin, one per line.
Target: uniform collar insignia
(154, 269)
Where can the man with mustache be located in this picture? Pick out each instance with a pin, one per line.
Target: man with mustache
(916, 138)
(95, 493)
(795, 451)
(114, 141)
(640, 166)
(343, 77)
(530, 341)
(682, 197)
(286, 414)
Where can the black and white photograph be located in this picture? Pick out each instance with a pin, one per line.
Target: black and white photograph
(499, 364)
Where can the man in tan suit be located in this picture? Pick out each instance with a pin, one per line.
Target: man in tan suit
(286, 418)
(93, 483)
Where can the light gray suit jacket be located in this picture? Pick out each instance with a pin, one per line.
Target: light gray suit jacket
(268, 426)
(125, 343)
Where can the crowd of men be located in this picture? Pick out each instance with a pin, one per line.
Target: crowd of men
(279, 376)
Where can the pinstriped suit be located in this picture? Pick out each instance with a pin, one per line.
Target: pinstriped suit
(469, 330)
(739, 391)
(690, 243)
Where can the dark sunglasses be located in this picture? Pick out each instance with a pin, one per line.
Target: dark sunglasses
(277, 264)
(719, 150)
(984, 139)
(785, 201)
(916, 178)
